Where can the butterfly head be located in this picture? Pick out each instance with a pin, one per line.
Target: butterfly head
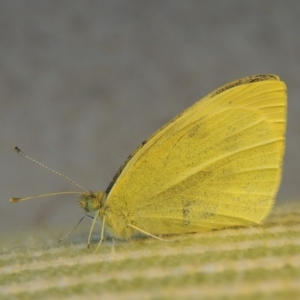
(91, 201)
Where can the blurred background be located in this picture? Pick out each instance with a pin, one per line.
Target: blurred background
(83, 83)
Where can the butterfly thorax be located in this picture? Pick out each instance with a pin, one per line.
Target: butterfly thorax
(116, 217)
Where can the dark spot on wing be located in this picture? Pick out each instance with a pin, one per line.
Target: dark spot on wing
(187, 205)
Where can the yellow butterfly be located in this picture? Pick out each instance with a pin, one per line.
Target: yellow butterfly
(218, 164)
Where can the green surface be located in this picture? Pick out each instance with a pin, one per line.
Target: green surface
(260, 262)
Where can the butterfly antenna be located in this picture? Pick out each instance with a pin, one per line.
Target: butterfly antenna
(18, 150)
(43, 195)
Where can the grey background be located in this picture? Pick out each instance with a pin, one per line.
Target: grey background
(82, 83)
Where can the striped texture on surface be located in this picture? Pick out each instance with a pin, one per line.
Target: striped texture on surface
(260, 262)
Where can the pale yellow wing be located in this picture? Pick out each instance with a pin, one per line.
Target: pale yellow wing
(217, 164)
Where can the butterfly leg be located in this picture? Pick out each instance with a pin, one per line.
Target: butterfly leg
(91, 230)
(102, 234)
(149, 234)
(72, 229)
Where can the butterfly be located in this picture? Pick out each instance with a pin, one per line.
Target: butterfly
(217, 164)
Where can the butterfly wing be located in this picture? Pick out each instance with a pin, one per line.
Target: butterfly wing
(217, 164)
